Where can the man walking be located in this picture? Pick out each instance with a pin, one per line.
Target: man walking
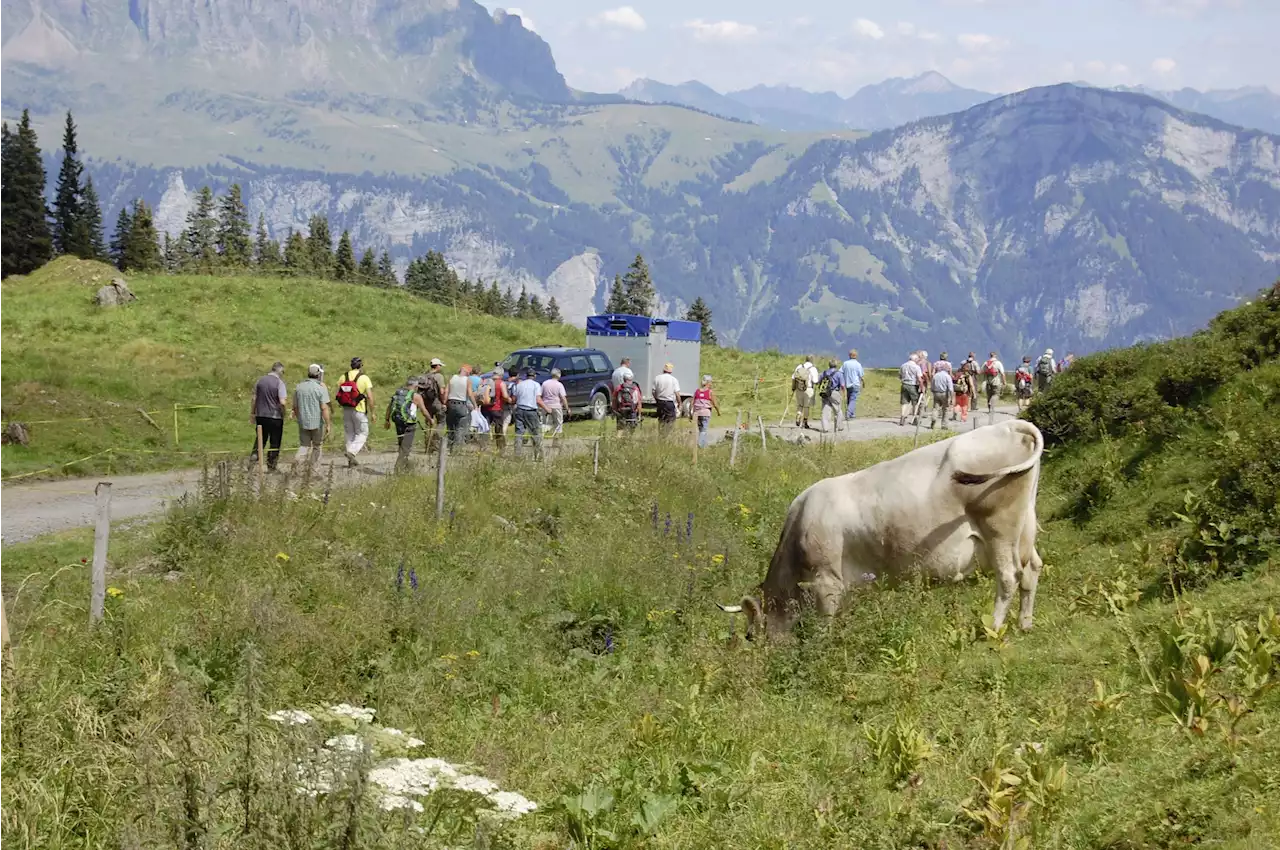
(943, 364)
(433, 391)
(909, 375)
(1022, 383)
(943, 395)
(266, 411)
(1046, 368)
(803, 380)
(495, 404)
(555, 401)
(621, 374)
(666, 394)
(355, 396)
(459, 402)
(993, 381)
(311, 409)
(528, 397)
(402, 411)
(854, 375)
(830, 392)
(626, 404)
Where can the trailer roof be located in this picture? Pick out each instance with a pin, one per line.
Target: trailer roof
(623, 324)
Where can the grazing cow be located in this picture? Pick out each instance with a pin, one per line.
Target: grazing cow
(939, 509)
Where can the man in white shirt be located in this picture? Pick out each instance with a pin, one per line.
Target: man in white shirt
(621, 374)
(528, 396)
(909, 374)
(803, 380)
(666, 394)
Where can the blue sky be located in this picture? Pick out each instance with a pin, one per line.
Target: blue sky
(995, 45)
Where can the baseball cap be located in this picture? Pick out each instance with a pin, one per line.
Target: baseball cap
(315, 370)
(436, 361)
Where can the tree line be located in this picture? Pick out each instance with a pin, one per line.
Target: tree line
(217, 238)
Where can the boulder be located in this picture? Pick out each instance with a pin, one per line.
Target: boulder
(15, 433)
(114, 294)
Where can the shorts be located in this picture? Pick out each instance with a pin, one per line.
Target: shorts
(941, 399)
(804, 399)
(555, 420)
(910, 394)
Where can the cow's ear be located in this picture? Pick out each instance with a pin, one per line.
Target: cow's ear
(755, 615)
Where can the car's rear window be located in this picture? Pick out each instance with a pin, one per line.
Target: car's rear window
(598, 363)
(541, 362)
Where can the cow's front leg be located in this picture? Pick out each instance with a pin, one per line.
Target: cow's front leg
(1006, 570)
(1030, 579)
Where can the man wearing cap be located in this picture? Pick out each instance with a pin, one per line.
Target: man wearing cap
(355, 418)
(402, 411)
(270, 395)
(555, 401)
(311, 409)
(666, 394)
(528, 396)
(434, 389)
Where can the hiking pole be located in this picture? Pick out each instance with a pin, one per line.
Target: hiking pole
(444, 451)
(737, 427)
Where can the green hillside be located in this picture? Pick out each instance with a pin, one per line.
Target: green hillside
(200, 343)
(557, 634)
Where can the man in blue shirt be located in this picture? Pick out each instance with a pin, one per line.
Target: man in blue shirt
(853, 375)
(830, 389)
(528, 396)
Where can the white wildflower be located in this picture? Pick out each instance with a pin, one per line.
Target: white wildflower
(475, 784)
(390, 802)
(346, 743)
(512, 804)
(344, 710)
(414, 742)
(412, 777)
(290, 717)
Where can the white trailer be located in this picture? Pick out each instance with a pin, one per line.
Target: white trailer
(650, 343)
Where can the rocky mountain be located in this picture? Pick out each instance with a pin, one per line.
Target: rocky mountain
(1252, 106)
(1070, 216)
(753, 105)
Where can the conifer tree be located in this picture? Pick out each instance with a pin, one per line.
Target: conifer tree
(699, 312)
(200, 238)
(69, 235)
(368, 274)
(344, 267)
(638, 286)
(320, 246)
(120, 239)
(89, 227)
(493, 300)
(297, 256)
(436, 278)
(170, 260)
(142, 251)
(507, 304)
(266, 251)
(386, 271)
(233, 230)
(618, 302)
(553, 311)
(522, 304)
(415, 279)
(25, 240)
(536, 310)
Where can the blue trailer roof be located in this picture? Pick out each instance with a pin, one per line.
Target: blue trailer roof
(623, 324)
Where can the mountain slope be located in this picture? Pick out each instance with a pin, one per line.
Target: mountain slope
(1253, 106)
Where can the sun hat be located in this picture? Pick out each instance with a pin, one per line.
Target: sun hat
(315, 370)
(436, 361)
(667, 367)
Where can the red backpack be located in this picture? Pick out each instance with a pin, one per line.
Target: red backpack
(349, 394)
(989, 369)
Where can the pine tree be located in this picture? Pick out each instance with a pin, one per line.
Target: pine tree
(120, 239)
(507, 305)
(344, 267)
(169, 254)
(618, 302)
(69, 235)
(233, 230)
(142, 251)
(320, 246)
(266, 251)
(435, 279)
(368, 268)
(639, 289)
(536, 310)
(493, 300)
(200, 238)
(25, 240)
(699, 312)
(553, 311)
(386, 271)
(89, 226)
(297, 257)
(522, 304)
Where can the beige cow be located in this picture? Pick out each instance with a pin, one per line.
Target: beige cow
(940, 509)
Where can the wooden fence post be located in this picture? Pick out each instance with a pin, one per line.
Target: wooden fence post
(175, 425)
(444, 453)
(737, 427)
(101, 533)
(595, 459)
(764, 445)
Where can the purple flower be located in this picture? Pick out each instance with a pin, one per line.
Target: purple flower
(452, 511)
(688, 526)
(666, 531)
(400, 576)
(413, 578)
(608, 639)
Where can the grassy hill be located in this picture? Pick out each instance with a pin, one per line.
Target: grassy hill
(557, 632)
(200, 343)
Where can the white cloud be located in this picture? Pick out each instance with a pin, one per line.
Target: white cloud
(868, 29)
(926, 35)
(1164, 66)
(728, 32)
(623, 17)
(1188, 8)
(906, 28)
(977, 42)
(524, 19)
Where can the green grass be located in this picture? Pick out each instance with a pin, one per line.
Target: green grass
(204, 341)
(601, 668)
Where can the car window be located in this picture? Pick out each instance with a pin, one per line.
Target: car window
(580, 366)
(515, 362)
(598, 363)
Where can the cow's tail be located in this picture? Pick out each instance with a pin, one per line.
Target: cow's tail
(962, 477)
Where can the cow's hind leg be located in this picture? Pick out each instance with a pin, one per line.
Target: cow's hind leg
(1030, 578)
(1005, 565)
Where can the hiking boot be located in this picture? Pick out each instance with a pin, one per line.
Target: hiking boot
(351, 460)
(902, 421)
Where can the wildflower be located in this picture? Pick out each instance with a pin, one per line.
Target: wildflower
(354, 712)
(413, 578)
(688, 526)
(345, 743)
(86, 560)
(717, 559)
(281, 556)
(744, 510)
(473, 653)
(114, 592)
(449, 657)
(608, 640)
(474, 784)
(391, 802)
(666, 530)
(512, 804)
(290, 717)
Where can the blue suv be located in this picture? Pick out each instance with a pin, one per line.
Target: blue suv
(585, 373)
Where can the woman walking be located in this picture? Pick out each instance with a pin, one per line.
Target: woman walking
(704, 401)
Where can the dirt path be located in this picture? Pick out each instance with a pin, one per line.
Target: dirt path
(28, 510)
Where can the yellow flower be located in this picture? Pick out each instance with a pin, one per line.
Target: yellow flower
(472, 653)
(744, 509)
(448, 676)
(717, 559)
(449, 657)
(281, 556)
(114, 592)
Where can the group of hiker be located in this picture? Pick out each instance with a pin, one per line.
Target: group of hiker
(953, 389)
(837, 386)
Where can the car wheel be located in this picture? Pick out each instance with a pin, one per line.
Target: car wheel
(599, 406)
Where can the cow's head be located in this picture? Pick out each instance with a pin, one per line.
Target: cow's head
(771, 618)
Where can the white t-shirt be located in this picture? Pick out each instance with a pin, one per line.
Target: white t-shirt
(620, 375)
(666, 387)
(810, 374)
(909, 373)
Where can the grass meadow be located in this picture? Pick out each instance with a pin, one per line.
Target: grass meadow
(81, 374)
(556, 631)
